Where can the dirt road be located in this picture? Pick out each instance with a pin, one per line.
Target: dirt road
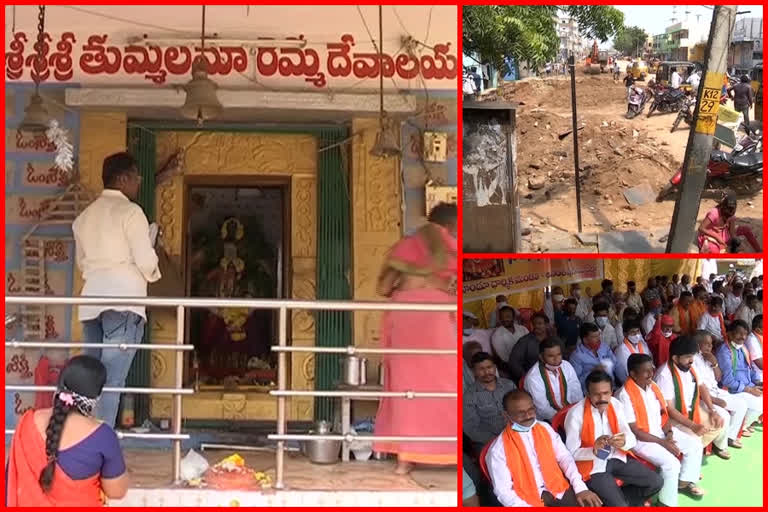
(614, 153)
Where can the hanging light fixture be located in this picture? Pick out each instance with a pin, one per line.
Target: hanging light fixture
(35, 115)
(386, 145)
(202, 102)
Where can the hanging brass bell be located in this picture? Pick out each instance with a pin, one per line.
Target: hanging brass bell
(35, 116)
(202, 103)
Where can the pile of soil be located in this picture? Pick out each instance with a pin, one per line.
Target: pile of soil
(613, 153)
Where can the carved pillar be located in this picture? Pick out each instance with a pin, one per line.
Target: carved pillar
(377, 221)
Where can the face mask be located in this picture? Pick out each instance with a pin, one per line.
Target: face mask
(552, 368)
(734, 345)
(577, 293)
(667, 334)
(636, 338)
(602, 321)
(522, 428)
(468, 331)
(656, 311)
(557, 298)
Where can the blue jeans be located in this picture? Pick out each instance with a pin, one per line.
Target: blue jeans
(113, 327)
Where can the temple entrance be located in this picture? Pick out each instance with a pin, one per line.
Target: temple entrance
(234, 248)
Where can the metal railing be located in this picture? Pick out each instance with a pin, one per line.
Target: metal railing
(282, 393)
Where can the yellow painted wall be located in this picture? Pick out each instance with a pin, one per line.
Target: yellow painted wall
(618, 270)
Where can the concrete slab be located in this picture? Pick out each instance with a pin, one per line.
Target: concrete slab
(630, 242)
(587, 238)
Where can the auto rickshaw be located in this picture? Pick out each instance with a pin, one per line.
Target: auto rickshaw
(639, 70)
(664, 73)
(756, 77)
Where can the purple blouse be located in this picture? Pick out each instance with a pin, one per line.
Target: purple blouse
(99, 453)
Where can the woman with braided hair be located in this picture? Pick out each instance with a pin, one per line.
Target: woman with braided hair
(62, 456)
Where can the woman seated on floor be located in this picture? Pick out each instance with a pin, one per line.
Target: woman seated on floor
(63, 457)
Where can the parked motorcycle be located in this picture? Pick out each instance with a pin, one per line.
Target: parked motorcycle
(636, 101)
(667, 100)
(743, 164)
(685, 113)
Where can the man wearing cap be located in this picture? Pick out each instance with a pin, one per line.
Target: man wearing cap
(493, 320)
(470, 332)
(660, 338)
(553, 302)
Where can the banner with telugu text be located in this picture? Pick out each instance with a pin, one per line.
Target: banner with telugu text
(483, 279)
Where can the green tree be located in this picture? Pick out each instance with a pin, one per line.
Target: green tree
(630, 41)
(528, 33)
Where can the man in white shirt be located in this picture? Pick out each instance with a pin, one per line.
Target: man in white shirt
(747, 309)
(116, 255)
(493, 319)
(601, 419)
(562, 386)
(712, 320)
(634, 300)
(607, 331)
(470, 332)
(733, 298)
(649, 321)
(688, 401)
(754, 346)
(556, 479)
(676, 80)
(506, 336)
(633, 343)
(583, 303)
(694, 80)
(657, 441)
(731, 407)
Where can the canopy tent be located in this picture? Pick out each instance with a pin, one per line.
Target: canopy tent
(618, 270)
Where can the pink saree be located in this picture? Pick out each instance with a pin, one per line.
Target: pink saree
(431, 251)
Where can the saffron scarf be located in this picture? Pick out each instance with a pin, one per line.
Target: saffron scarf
(588, 436)
(631, 348)
(520, 466)
(638, 404)
(26, 462)
(695, 413)
(550, 392)
(685, 319)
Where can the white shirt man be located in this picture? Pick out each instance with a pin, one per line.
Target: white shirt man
(574, 420)
(732, 303)
(712, 325)
(482, 336)
(753, 346)
(649, 321)
(676, 80)
(114, 252)
(534, 384)
(503, 486)
(744, 312)
(694, 80)
(503, 340)
(635, 301)
(735, 406)
(667, 386)
(635, 345)
(672, 469)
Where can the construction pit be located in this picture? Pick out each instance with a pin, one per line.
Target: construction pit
(615, 154)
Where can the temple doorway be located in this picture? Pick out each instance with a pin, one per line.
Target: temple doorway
(235, 248)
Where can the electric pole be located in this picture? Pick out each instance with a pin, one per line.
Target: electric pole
(699, 146)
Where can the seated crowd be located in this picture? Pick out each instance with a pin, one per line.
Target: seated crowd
(612, 399)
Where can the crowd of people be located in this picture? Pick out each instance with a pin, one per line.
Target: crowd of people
(613, 398)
